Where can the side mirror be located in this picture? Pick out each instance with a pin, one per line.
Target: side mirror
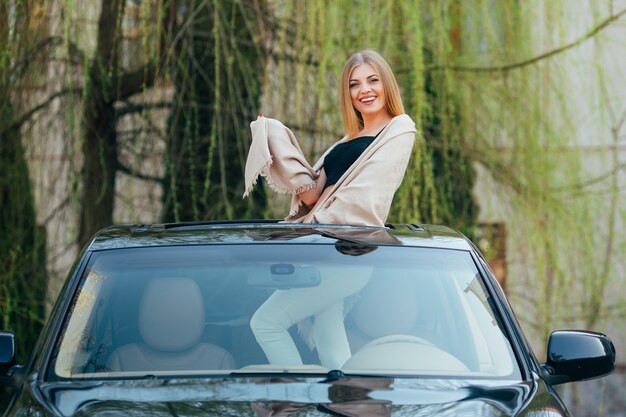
(577, 355)
(10, 374)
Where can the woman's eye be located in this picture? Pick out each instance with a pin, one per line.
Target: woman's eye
(374, 80)
(353, 85)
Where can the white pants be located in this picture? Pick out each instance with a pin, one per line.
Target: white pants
(284, 308)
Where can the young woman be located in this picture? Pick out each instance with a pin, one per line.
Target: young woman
(370, 99)
(352, 183)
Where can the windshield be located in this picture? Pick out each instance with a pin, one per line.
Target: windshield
(276, 308)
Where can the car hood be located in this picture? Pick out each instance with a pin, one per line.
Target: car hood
(288, 396)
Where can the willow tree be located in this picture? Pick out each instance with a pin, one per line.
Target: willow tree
(526, 139)
(489, 85)
(308, 53)
(22, 254)
(531, 82)
(217, 68)
(107, 83)
(440, 106)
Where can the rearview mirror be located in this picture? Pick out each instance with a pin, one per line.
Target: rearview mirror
(577, 355)
(284, 276)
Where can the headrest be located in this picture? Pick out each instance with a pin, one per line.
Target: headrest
(171, 314)
(388, 305)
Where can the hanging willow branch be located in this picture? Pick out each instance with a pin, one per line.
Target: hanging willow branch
(502, 68)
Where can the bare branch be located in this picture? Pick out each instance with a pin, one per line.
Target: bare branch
(619, 124)
(133, 82)
(30, 113)
(56, 210)
(138, 108)
(133, 173)
(502, 68)
(45, 48)
(591, 181)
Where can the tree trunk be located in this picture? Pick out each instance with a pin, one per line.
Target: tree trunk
(98, 127)
(99, 166)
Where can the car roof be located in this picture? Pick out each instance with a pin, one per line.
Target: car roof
(276, 232)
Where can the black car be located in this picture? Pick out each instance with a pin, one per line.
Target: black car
(176, 320)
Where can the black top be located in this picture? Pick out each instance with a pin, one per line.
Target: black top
(337, 162)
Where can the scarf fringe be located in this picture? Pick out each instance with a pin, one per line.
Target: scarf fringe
(276, 188)
(294, 211)
(264, 172)
(305, 187)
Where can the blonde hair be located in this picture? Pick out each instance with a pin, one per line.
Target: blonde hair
(352, 119)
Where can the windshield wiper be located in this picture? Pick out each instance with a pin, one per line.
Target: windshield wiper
(328, 377)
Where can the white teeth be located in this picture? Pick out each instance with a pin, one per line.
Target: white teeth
(367, 100)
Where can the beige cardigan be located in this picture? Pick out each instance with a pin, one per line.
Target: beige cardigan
(362, 196)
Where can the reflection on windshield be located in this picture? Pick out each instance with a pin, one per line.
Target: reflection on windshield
(282, 308)
(289, 396)
(347, 397)
(77, 341)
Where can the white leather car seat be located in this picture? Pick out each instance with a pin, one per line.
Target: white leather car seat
(387, 305)
(383, 328)
(171, 323)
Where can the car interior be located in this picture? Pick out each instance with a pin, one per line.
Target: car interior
(196, 319)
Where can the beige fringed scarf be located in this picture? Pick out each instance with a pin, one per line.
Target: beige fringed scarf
(362, 196)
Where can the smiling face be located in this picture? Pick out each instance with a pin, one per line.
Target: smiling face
(366, 91)
(369, 92)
